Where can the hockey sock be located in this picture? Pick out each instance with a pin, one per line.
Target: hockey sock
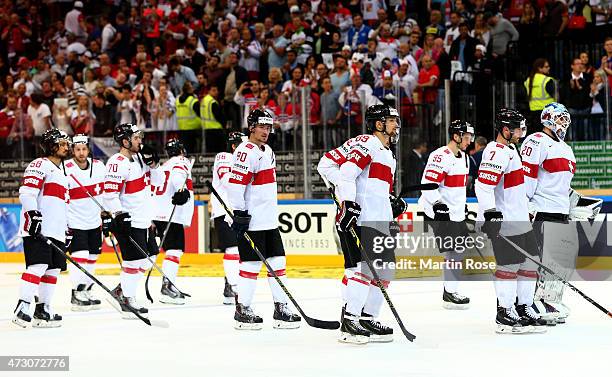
(77, 276)
(91, 268)
(130, 274)
(30, 281)
(278, 264)
(348, 273)
(231, 264)
(147, 263)
(47, 285)
(452, 276)
(527, 279)
(505, 285)
(375, 298)
(357, 289)
(247, 281)
(171, 262)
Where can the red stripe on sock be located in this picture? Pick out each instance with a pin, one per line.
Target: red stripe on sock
(231, 257)
(92, 261)
(278, 273)
(364, 282)
(528, 274)
(248, 275)
(344, 280)
(81, 260)
(129, 270)
(48, 279)
(505, 275)
(30, 278)
(366, 277)
(141, 270)
(172, 258)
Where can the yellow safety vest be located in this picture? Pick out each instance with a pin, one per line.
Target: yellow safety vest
(186, 118)
(208, 119)
(539, 97)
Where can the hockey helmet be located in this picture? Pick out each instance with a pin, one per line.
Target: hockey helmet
(124, 131)
(511, 119)
(51, 139)
(80, 139)
(556, 118)
(460, 127)
(260, 116)
(381, 112)
(234, 138)
(175, 147)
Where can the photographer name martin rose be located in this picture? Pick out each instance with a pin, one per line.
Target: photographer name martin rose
(430, 264)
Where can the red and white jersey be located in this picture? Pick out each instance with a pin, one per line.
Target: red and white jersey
(450, 172)
(45, 188)
(367, 178)
(329, 164)
(127, 188)
(221, 175)
(177, 173)
(549, 167)
(501, 186)
(84, 213)
(252, 185)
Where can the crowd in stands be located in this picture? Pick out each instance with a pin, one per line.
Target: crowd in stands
(191, 65)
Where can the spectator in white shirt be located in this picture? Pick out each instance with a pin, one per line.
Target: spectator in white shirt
(40, 115)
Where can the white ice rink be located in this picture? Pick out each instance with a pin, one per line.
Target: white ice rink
(202, 342)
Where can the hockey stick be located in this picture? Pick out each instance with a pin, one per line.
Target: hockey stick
(129, 237)
(163, 239)
(328, 325)
(367, 259)
(419, 187)
(553, 273)
(149, 322)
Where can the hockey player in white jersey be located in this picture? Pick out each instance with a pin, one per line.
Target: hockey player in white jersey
(364, 181)
(550, 165)
(128, 196)
(225, 236)
(252, 194)
(85, 220)
(177, 189)
(448, 166)
(44, 196)
(503, 206)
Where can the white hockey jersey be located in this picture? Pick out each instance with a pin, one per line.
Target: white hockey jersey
(84, 213)
(252, 185)
(221, 175)
(450, 173)
(45, 188)
(127, 187)
(329, 164)
(549, 167)
(367, 178)
(177, 173)
(501, 186)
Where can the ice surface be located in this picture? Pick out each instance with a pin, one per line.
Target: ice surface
(202, 342)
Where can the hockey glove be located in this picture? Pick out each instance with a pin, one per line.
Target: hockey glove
(33, 222)
(122, 223)
(441, 212)
(492, 224)
(149, 155)
(69, 236)
(398, 206)
(180, 197)
(348, 215)
(241, 222)
(394, 228)
(107, 223)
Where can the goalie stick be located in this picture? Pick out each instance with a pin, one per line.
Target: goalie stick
(327, 325)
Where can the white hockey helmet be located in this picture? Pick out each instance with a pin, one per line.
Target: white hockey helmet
(556, 118)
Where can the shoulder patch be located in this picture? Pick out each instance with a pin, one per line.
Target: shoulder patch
(447, 151)
(498, 145)
(249, 145)
(70, 164)
(537, 135)
(120, 158)
(97, 161)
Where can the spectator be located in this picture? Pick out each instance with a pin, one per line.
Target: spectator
(164, 110)
(600, 106)
(402, 26)
(75, 22)
(603, 12)
(330, 111)
(275, 81)
(335, 45)
(47, 93)
(231, 80)
(359, 33)
(575, 90)
(502, 32)
(427, 86)
(91, 83)
(14, 37)
(25, 79)
(188, 109)
(528, 27)
(247, 96)
(62, 116)
(606, 60)
(82, 119)
(104, 116)
(212, 120)
(193, 59)
(554, 18)
(144, 101)
(369, 10)
(475, 158)
(416, 161)
(123, 45)
(387, 45)
(464, 47)
(15, 127)
(481, 29)
(276, 47)
(540, 91)
(405, 79)
(179, 75)
(40, 114)
(340, 75)
(322, 31)
(42, 72)
(453, 31)
(385, 91)
(110, 36)
(250, 52)
(588, 68)
(125, 105)
(290, 86)
(435, 27)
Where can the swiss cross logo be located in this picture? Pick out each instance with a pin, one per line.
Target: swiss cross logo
(97, 189)
(147, 180)
(571, 167)
(526, 169)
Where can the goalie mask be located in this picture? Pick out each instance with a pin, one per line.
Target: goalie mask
(556, 118)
